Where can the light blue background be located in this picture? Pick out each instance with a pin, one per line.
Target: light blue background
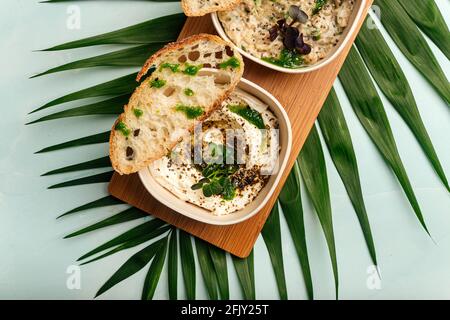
(34, 257)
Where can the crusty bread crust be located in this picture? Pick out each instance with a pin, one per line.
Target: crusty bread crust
(191, 12)
(175, 46)
(114, 149)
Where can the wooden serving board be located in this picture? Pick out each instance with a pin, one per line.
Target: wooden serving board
(301, 95)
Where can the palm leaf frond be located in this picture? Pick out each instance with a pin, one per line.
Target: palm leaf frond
(339, 142)
(426, 15)
(369, 109)
(219, 260)
(313, 169)
(102, 202)
(117, 87)
(272, 238)
(188, 265)
(154, 272)
(111, 106)
(207, 268)
(172, 273)
(245, 270)
(131, 243)
(393, 83)
(131, 57)
(92, 139)
(132, 234)
(102, 162)
(162, 29)
(137, 261)
(97, 178)
(413, 45)
(291, 203)
(121, 217)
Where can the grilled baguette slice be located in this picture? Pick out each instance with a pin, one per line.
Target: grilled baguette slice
(195, 8)
(190, 80)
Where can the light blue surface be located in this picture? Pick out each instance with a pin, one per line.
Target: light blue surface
(34, 257)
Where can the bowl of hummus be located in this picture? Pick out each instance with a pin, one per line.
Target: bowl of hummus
(290, 36)
(226, 170)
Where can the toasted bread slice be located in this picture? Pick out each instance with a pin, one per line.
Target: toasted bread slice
(195, 8)
(190, 80)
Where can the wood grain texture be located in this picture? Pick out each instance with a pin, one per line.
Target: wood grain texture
(301, 95)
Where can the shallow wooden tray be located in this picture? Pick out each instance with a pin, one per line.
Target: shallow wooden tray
(301, 95)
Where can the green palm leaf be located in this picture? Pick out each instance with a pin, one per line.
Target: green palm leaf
(92, 139)
(117, 87)
(339, 142)
(172, 273)
(413, 45)
(291, 203)
(162, 29)
(131, 243)
(272, 238)
(314, 173)
(102, 202)
(426, 15)
(246, 275)
(97, 178)
(131, 57)
(91, 164)
(112, 106)
(154, 272)
(137, 261)
(134, 233)
(219, 260)
(121, 217)
(187, 264)
(207, 268)
(392, 81)
(369, 109)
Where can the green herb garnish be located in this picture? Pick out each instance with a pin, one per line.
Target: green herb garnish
(212, 188)
(188, 92)
(157, 83)
(192, 70)
(319, 6)
(138, 112)
(233, 62)
(316, 35)
(249, 114)
(122, 127)
(287, 59)
(191, 112)
(229, 190)
(217, 180)
(174, 67)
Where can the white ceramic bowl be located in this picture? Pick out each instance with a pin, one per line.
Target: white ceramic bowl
(197, 213)
(351, 29)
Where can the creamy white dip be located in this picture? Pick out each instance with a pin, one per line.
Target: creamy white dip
(259, 154)
(248, 24)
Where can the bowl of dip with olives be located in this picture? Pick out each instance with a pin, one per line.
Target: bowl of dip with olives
(290, 36)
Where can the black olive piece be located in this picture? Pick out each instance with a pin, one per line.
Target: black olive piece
(301, 46)
(136, 132)
(290, 37)
(282, 24)
(273, 33)
(129, 153)
(229, 51)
